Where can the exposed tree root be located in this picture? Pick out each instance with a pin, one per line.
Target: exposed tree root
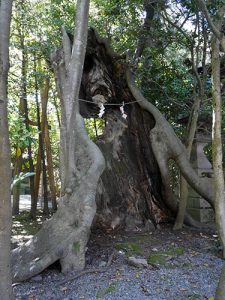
(65, 235)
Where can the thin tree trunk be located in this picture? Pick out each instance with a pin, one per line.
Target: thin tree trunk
(217, 40)
(44, 101)
(16, 199)
(41, 126)
(192, 122)
(16, 188)
(145, 30)
(50, 168)
(18, 167)
(189, 142)
(26, 117)
(37, 175)
(217, 143)
(183, 183)
(5, 194)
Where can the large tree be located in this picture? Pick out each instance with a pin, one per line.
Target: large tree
(5, 198)
(135, 183)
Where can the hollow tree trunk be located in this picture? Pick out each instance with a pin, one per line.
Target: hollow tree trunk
(129, 193)
(134, 187)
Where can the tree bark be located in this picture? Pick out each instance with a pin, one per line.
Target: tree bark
(218, 39)
(37, 175)
(217, 143)
(5, 194)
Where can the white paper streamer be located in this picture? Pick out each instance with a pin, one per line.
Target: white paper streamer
(122, 111)
(102, 111)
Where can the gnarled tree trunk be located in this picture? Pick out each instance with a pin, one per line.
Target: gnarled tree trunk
(134, 187)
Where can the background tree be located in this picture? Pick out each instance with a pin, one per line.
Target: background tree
(217, 42)
(25, 136)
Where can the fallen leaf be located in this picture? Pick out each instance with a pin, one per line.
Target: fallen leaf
(145, 290)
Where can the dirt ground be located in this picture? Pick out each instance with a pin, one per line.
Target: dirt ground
(189, 261)
(163, 242)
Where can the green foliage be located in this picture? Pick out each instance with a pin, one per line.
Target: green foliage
(119, 21)
(111, 288)
(76, 247)
(157, 259)
(94, 127)
(20, 137)
(166, 82)
(130, 248)
(162, 256)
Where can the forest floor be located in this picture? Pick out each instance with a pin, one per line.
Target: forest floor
(181, 265)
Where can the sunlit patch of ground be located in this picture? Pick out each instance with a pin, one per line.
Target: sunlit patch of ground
(24, 228)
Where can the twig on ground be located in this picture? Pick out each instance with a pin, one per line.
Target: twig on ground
(84, 272)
